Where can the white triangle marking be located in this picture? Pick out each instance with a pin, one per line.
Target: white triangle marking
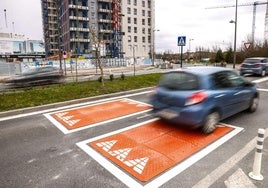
(120, 154)
(61, 114)
(72, 122)
(67, 117)
(106, 146)
(137, 164)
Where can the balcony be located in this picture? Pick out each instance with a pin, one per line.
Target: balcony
(106, 31)
(78, 18)
(79, 7)
(107, 1)
(105, 10)
(105, 21)
(79, 40)
(79, 29)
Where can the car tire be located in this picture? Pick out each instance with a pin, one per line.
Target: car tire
(210, 122)
(253, 104)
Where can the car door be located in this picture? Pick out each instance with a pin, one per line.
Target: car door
(228, 92)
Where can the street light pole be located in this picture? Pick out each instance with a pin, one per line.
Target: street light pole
(235, 34)
(189, 51)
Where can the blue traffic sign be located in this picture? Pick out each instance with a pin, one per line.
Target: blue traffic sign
(181, 40)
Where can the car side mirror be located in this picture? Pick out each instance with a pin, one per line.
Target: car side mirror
(249, 84)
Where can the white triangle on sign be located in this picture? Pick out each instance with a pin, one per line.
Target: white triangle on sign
(247, 45)
(181, 42)
(137, 164)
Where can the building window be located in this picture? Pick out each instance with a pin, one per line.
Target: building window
(149, 21)
(129, 38)
(149, 13)
(143, 30)
(149, 39)
(129, 29)
(128, 10)
(135, 20)
(143, 21)
(92, 5)
(128, 2)
(149, 3)
(135, 2)
(129, 20)
(135, 11)
(143, 12)
(143, 3)
(143, 39)
(135, 30)
(135, 39)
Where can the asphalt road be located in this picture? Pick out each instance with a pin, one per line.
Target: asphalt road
(35, 153)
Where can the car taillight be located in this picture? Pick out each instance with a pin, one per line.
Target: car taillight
(258, 64)
(196, 98)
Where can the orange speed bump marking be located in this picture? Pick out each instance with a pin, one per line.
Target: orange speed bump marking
(151, 149)
(79, 117)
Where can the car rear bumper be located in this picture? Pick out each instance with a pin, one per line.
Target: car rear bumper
(250, 70)
(191, 117)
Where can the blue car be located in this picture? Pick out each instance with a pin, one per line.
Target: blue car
(254, 65)
(200, 97)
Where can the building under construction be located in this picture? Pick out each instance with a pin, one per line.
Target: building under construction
(122, 28)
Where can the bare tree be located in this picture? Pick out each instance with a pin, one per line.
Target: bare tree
(96, 44)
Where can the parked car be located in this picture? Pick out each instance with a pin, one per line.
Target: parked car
(200, 97)
(254, 65)
(36, 76)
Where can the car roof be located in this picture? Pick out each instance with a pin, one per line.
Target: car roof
(202, 70)
(257, 58)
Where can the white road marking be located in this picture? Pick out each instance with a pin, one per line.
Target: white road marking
(260, 80)
(239, 180)
(230, 163)
(161, 179)
(262, 89)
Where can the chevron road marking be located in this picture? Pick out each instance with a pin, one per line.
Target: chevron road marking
(76, 119)
(151, 153)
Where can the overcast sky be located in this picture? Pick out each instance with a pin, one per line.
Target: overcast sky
(207, 27)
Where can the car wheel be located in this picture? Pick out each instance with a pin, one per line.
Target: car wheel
(253, 104)
(210, 122)
(263, 73)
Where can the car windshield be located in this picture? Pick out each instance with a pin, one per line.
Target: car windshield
(179, 81)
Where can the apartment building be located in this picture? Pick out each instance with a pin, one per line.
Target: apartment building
(122, 28)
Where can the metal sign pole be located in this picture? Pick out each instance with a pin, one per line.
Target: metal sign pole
(181, 55)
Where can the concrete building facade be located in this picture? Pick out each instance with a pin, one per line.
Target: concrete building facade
(121, 28)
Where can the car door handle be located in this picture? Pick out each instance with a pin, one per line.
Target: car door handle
(221, 95)
(241, 92)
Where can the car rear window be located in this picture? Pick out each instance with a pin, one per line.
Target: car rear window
(179, 81)
(253, 61)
